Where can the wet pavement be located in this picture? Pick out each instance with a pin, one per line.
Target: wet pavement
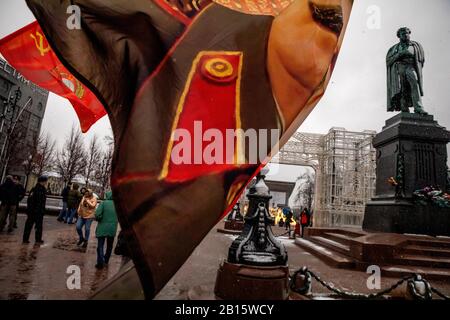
(40, 271)
(196, 279)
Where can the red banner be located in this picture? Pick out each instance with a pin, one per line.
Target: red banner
(28, 51)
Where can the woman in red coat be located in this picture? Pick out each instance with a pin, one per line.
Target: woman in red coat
(304, 220)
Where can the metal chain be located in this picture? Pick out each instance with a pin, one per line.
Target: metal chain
(440, 294)
(353, 295)
(411, 279)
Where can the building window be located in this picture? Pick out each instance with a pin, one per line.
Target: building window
(34, 122)
(5, 85)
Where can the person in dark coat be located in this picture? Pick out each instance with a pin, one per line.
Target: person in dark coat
(9, 196)
(20, 196)
(106, 229)
(288, 214)
(73, 201)
(121, 248)
(64, 211)
(36, 210)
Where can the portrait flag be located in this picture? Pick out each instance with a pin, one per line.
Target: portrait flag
(199, 100)
(29, 52)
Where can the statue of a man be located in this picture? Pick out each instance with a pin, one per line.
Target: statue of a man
(404, 63)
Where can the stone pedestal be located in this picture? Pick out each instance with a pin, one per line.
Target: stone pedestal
(244, 282)
(412, 153)
(234, 225)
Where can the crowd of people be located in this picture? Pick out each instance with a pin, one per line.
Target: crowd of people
(11, 193)
(79, 206)
(285, 217)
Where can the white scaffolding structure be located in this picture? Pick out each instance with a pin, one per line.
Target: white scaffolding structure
(344, 163)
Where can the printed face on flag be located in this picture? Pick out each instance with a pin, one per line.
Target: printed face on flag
(200, 95)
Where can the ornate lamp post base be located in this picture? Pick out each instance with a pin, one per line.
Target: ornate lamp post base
(257, 262)
(235, 220)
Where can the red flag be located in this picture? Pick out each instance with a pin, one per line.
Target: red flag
(253, 69)
(29, 52)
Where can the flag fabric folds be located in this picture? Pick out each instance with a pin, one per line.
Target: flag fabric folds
(174, 87)
(30, 53)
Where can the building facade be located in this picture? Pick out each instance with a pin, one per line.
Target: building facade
(22, 108)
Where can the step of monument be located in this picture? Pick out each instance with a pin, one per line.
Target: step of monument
(427, 273)
(338, 237)
(421, 260)
(348, 232)
(330, 244)
(330, 257)
(425, 251)
(437, 242)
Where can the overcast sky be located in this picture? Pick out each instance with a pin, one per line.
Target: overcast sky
(356, 96)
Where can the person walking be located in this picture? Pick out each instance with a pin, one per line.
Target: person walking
(35, 211)
(20, 196)
(310, 218)
(121, 248)
(288, 214)
(86, 214)
(304, 220)
(73, 201)
(106, 229)
(65, 210)
(9, 198)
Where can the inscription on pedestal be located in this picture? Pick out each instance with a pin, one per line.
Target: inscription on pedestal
(411, 155)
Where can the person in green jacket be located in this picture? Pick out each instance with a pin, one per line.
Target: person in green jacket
(106, 229)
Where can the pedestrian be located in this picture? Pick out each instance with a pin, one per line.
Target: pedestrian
(35, 211)
(86, 214)
(288, 214)
(64, 211)
(73, 201)
(310, 219)
(121, 248)
(20, 196)
(297, 226)
(106, 229)
(9, 196)
(304, 220)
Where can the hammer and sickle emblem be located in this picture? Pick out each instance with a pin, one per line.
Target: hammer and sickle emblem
(40, 43)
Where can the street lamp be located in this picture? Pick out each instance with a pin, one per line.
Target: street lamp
(27, 164)
(10, 106)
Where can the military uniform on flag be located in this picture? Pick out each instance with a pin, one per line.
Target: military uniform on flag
(156, 71)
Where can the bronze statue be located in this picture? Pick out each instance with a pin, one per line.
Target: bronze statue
(404, 63)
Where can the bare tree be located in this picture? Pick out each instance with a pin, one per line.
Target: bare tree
(71, 159)
(92, 159)
(45, 154)
(109, 139)
(103, 169)
(13, 148)
(41, 157)
(305, 191)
